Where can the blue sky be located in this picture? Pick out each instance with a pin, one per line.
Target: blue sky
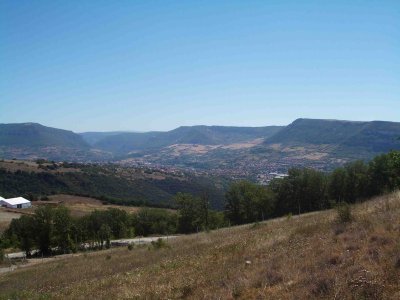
(156, 65)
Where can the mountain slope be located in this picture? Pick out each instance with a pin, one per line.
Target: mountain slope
(31, 141)
(36, 135)
(125, 186)
(93, 137)
(373, 137)
(129, 141)
(200, 135)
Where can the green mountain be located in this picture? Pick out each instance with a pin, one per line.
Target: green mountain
(125, 142)
(31, 141)
(363, 139)
(315, 131)
(93, 137)
(36, 135)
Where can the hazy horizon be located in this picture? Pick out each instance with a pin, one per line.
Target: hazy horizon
(141, 66)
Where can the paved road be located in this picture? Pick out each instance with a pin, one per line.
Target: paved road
(143, 240)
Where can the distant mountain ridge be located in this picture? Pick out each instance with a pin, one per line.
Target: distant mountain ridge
(198, 135)
(373, 136)
(37, 135)
(305, 142)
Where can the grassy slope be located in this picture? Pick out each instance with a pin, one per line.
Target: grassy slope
(291, 258)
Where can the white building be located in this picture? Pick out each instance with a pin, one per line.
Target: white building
(18, 202)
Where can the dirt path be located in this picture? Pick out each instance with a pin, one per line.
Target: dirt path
(34, 261)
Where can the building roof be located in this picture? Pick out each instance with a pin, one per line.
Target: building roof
(15, 201)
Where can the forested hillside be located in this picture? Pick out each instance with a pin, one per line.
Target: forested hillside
(110, 183)
(343, 136)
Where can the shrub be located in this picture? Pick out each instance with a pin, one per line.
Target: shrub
(2, 255)
(322, 286)
(159, 244)
(130, 247)
(344, 214)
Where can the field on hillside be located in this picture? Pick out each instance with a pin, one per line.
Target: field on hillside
(80, 206)
(6, 217)
(306, 257)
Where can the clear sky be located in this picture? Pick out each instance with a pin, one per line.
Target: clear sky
(156, 65)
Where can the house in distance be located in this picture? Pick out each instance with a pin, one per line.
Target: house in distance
(18, 202)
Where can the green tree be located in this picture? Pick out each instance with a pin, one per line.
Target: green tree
(302, 191)
(384, 172)
(44, 228)
(62, 229)
(104, 235)
(193, 212)
(23, 232)
(149, 221)
(248, 202)
(357, 181)
(337, 185)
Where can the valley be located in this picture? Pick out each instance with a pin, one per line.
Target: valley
(234, 152)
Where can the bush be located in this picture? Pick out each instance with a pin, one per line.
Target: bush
(159, 244)
(130, 247)
(344, 214)
(2, 255)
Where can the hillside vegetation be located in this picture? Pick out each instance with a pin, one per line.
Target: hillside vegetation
(32, 140)
(343, 136)
(36, 135)
(312, 256)
(110, 183)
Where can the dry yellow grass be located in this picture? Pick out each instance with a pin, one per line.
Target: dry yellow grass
(6, 217)
(306, 257)
(31, 166)
(80, 206)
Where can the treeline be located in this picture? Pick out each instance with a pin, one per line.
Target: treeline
(53, 230)
(305, 190)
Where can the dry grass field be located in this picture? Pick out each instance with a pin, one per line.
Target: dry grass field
(308, 257)
(6, 217)
(80, 206)
(31, 166)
